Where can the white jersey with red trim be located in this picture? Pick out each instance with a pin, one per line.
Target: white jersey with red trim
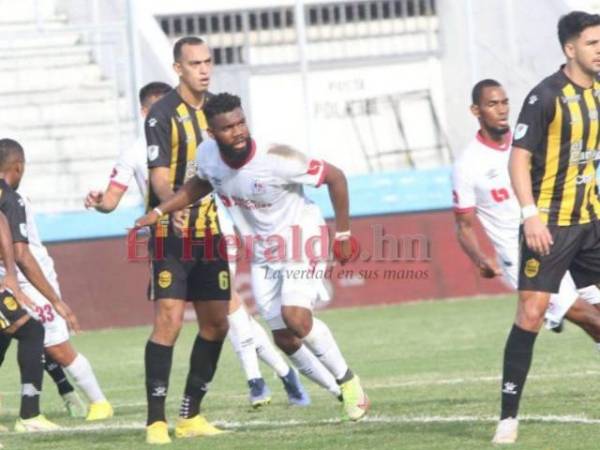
(265, 196)
(132, 164)
(481, 182)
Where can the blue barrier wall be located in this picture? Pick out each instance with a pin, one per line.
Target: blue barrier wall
(373, 194)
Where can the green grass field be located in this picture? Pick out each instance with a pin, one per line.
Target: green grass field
(431, 370)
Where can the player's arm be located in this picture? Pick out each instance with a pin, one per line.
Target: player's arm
(8, 257)
(467, 238)
(337, 185)
(193, 190)
(32, 271)
(537, 235)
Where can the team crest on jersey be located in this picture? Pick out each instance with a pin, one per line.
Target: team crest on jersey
(153, 151)
(165, 279)
(492, 173)
(532, 267)
(258, 187)
(10, 303)
(521, 130)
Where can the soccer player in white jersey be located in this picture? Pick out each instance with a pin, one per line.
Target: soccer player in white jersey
(31, 253)
(248, 338)
(262, 189)
(482, 189)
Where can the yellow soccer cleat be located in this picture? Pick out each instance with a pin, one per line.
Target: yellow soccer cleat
(158, 433)
(195, 426)
(34, 424)
(100, 411)
(356, 402)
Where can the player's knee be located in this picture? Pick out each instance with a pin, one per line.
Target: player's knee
(297, 321)
(286, 341)
(215, 330)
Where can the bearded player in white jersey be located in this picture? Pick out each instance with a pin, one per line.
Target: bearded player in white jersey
(482, 189)
(248, 338)
(262, 189)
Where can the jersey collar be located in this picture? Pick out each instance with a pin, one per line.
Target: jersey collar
(240, 164)
(492, 144)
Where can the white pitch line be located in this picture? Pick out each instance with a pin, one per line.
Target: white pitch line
(232, 425)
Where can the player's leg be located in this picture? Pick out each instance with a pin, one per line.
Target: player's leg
(208, 285)
(29, 334)
(168, 290)
(539, 276)
(241, 336)
(318, 338)
(75, 406)
(206, 350)
(80, 370)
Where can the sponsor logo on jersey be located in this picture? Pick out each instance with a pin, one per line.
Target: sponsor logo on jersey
(153, 151)
(583, 179)
(571, 98)
(521, 130)
(165, 279)
(152, 122)
(258, 187)
(183, 119)
(532, 99)
(532, 267)
(10, 303)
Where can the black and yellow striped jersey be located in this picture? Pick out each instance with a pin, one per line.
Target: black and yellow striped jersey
(559, 125)
(174, 130)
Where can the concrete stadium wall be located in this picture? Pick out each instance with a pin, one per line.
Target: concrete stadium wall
(108, 291)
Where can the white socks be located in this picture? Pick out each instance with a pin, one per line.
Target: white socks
(311, 367)
(266, 350)
(82, 374)
(323, 345)
(240, 335)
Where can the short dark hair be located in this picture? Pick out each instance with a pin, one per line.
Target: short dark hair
(479, 87)
(186, 40)
(220, 104)
(571, 25)
(153, 89)
(9, 149)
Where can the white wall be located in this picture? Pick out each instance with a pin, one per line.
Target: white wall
(278, 112)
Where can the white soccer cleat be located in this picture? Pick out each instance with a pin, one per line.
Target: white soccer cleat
(506, 431)
(35, 424)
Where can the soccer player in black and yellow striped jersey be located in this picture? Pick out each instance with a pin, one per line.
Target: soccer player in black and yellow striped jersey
(174, 128)
(553, 171)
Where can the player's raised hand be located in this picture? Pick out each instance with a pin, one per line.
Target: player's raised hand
(66, 313)
(537, 235)
(489, 269)
(93, 199)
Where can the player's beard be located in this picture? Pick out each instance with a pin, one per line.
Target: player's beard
(233, 155)
(496, 132)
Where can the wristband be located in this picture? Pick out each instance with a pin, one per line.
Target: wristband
(342, 235)
(529, 211)
(158, 211)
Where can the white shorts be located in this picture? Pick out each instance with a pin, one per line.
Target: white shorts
(55, 326)
(292, 284)
(560, 302)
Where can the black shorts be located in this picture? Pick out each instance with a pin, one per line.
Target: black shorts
(10, 310)
(192, 275)
(576, 248)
